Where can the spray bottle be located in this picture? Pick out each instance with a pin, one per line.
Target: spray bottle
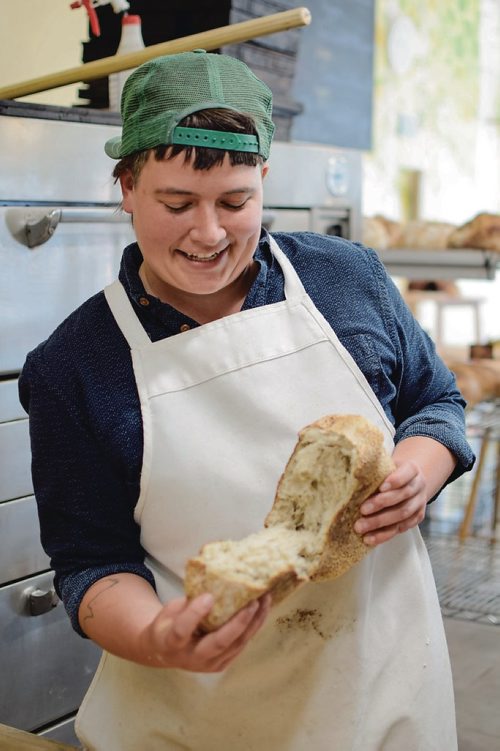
(131, 41)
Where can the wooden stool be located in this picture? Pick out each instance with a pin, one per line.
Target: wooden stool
(489, 436)
(442, 301)
(465, 302)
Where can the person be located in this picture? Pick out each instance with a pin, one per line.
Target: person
(163, 411)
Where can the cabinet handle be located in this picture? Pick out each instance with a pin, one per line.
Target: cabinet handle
(41, 601)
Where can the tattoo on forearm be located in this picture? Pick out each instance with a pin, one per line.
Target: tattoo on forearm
(90, 612)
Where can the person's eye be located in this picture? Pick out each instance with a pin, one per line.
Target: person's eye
(177, 209)
(235, 206)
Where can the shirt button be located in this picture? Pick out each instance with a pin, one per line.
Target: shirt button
(184, 327)
(144, 301)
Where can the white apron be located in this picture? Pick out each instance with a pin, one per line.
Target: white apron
(355, 664)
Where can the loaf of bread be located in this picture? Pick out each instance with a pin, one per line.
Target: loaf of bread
(483, 231)
(426, 235)
(478, 380)
(381, 233)
(337, 463)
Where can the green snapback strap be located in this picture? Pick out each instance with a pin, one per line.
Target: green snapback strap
(215, 139)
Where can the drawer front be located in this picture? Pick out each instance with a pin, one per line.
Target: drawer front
(49, 667)
(15, 460)
(10, 406)
(21, 553)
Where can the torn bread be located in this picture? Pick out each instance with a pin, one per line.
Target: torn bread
(337, 463)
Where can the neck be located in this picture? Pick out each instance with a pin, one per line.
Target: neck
(206, 308)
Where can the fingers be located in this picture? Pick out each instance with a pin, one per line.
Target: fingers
(384, 534)
(224, 645)
(399, 505)
(238, 630)
(184, 619)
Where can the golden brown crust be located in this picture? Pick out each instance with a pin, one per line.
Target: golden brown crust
(342, 547)
(232, 595)
(349, 443)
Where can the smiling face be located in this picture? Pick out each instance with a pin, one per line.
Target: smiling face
(197, 229)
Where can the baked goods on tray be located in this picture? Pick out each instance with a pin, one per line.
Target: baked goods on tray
(337, 463)
(481, 232)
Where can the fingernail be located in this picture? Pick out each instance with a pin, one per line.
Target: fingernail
(206, 600)
(385, 486)
(359, 527)
(369, 539)
(367, 508)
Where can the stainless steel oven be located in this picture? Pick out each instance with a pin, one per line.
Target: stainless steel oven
(60, 242)
(313, 188)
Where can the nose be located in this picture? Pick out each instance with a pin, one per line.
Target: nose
(207, 230)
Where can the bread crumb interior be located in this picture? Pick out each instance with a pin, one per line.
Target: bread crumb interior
(261, 555)
(317, 482)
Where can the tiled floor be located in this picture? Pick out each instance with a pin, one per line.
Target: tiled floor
(468, 581)
(475, 659)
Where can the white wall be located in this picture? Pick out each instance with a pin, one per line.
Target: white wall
(438, 112)
(38, 37)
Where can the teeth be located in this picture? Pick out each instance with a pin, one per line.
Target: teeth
(193, 257)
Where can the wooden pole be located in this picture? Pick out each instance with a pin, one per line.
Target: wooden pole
(11, 738)
(464, 530)
(207, 40)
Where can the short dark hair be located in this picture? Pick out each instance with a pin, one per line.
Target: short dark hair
(201, 158)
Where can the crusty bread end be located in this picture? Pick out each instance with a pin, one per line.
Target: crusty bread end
(338, 462)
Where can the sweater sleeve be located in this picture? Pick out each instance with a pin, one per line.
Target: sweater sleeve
(428, 401)
(85, 502)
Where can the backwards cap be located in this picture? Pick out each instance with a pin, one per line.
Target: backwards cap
(163, 91)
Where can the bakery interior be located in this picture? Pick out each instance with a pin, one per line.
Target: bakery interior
(390, 111)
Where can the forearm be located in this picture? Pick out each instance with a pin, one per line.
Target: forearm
(435, 461)
(116, 611)
(124, 616)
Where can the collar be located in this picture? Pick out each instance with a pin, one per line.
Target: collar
(169, 317)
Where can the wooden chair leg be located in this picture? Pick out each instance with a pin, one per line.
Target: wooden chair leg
(471, 503)
(496, 499)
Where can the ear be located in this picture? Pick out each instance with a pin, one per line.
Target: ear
(127, 188)
(265, 169)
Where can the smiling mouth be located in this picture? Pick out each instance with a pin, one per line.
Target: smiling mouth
(203, 259)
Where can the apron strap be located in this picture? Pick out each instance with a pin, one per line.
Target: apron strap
(125, 316)
(293, 285)
(133, 330)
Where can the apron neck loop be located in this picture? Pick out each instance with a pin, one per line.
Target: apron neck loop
(293, 286)
(125, 316)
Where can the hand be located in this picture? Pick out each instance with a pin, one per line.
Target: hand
(173, 640)
(398, 505)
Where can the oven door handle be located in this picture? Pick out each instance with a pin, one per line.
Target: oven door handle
(41, 229)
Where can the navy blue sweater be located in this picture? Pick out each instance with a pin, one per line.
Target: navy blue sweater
(85, 421)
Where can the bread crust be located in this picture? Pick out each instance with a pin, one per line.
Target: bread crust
(231, 595)
(336, 464)
(341, 547)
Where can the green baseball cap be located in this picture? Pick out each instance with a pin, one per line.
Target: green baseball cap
(163, 91)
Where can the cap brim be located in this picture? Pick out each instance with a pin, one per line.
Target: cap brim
(113, 147)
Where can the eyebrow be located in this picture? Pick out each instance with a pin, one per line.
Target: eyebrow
(179, 192)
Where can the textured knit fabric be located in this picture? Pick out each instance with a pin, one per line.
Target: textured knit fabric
(85, 421)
